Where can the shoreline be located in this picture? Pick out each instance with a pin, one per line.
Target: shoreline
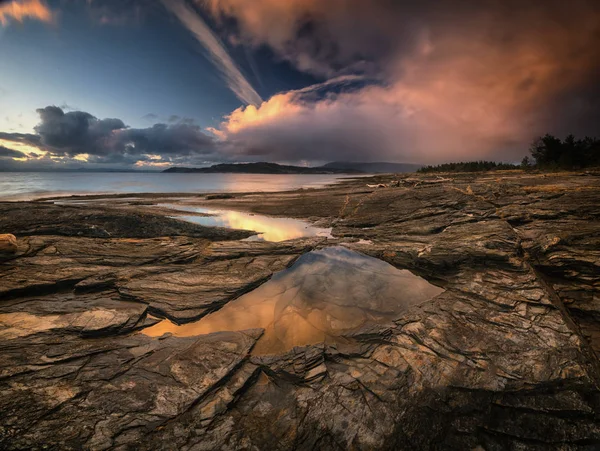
(252, 179)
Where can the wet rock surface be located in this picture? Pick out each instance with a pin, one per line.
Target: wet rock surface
(507, 357)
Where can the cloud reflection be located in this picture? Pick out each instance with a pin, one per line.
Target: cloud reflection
(326, 294)
(269, 228)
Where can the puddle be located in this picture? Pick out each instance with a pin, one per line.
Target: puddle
(269, 228)
(324, 296)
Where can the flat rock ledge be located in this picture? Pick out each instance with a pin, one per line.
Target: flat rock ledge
(507, 357)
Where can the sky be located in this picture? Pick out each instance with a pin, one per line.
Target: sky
(149, 84)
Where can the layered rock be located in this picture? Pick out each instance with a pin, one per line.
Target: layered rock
(505, 358)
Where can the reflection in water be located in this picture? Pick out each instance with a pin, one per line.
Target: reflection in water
(270, 228)
(325, 295)
(30, 185)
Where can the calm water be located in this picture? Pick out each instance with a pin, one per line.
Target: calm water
(30, 185)
(269, 228)
(324, 296)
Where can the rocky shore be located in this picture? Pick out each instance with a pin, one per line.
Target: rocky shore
(507, 357)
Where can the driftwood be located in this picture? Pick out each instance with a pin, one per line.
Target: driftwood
(412, 182)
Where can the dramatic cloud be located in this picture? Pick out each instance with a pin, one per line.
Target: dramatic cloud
(458, 80)
(76, 132)
(78, 135)
(216, 50)
(9, 153)
(324, 37)
(422, 82)
(21, 138)
(20, 10)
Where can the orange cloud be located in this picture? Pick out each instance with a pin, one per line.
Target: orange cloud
(26, 9)
(472, 84)
(483, 103)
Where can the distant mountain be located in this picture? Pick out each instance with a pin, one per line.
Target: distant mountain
(263, 168)
(373, 168)
(337, 167)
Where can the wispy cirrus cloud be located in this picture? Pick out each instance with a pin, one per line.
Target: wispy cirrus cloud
(216, 50)
(20, 10)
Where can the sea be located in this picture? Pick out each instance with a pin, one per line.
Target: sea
(15, 186)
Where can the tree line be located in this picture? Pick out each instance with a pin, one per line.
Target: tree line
(467, 166)
(550, 152)
(547, 152)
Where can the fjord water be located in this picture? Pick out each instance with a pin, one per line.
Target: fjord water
(323, 298)
(269, 228)
(31, 185)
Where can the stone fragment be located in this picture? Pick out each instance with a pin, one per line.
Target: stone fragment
(8, 244)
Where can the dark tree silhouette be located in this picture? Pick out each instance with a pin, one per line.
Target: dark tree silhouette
(469, 166)
(526, 163)
(548, 151)
(552, 153)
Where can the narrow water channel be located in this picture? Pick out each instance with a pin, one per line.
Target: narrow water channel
(269, 228)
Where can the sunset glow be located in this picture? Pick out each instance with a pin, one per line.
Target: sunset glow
(345, 80)
(21, 10)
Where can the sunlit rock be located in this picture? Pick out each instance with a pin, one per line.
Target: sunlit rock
(8, 244)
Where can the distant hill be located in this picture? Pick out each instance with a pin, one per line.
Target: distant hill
(337, 167)
(373, 168)
(262, 168)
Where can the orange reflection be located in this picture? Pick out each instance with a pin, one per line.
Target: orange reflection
(326, 295)
(269, 228)
(248, 183)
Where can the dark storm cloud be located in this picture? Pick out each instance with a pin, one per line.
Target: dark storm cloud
(457, 79)
(24, 138)
(76, 132)
(341, 36)
(69, 134)
(167, 139)
(9, 153)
